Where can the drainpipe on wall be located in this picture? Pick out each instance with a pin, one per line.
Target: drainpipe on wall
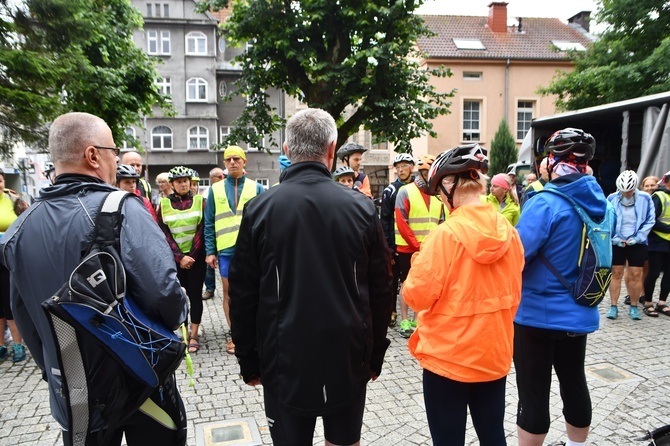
(507, 91)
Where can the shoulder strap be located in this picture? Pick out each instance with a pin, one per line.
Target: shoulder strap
(108, 220)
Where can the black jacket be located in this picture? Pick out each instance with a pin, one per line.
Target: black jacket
(387, 215)
(310, 291)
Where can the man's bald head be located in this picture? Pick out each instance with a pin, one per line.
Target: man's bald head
(216, 175)
(133, 159)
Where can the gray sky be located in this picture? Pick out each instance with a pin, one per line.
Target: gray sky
(561, 9)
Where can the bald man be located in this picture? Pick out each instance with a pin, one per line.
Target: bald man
(134, 159)
(47, 244)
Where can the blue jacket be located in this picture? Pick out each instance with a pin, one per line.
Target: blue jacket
(644, 217)
(550, 225)
(233, 191)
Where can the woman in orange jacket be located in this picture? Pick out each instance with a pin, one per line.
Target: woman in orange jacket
(465, 285)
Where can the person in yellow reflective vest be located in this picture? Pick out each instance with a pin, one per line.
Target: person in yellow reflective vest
(223, 214)
(180, 216)
(416, 213)
(659, 248)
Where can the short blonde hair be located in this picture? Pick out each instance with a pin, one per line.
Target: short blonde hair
(163, 176)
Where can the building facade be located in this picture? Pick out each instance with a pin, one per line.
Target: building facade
(498, 65)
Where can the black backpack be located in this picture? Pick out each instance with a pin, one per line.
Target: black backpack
(111, 355)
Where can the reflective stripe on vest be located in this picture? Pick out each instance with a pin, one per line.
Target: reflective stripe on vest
(183, 224)
(226, 222)
(421, 219)
(665, 213)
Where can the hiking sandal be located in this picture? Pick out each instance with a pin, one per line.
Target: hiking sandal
(193, 344)
(664, 309)
(649, 311)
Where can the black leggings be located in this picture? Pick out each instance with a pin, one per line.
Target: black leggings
(447, 404)
(659, 262)
(192, 280)
(5, 308)
(536, 350)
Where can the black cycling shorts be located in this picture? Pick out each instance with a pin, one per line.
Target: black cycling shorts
(294, 430)
(635, 255)
(403, 261)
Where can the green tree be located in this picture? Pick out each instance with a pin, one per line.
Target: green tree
(503, 149)
(630, 59)
(71, 55)
(356, 59)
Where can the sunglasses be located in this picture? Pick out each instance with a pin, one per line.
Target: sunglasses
(236, 159)
(116, 150)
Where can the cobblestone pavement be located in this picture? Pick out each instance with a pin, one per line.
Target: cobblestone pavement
(626, 366)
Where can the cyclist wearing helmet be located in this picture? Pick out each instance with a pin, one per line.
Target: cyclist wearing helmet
(503, 197)
(635, 217)
(134, 160)
(195, 182)
(416, 214)
(351, 154)
(180, 216)
(345, 175)
(223, 214)
(659, 247)
(49, 170)
(550, 329)
(403, 164)
(465, 284)
(126, 179)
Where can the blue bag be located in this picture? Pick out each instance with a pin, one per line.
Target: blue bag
(595, 256)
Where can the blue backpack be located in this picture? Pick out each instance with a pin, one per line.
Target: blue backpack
(595, 256)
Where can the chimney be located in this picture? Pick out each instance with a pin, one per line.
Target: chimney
(582, 19)
(498, 17)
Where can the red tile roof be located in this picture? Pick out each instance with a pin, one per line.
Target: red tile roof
(533, 43)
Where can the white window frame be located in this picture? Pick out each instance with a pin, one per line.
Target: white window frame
(473, 75)
(163, 138)
(265, 182)
(129, 131)
(199, 137)
(224, 131)
(223, 89)
(166, 47)
(164, 85)
(252, 146)
(524, 122)
(199, 41)
(468, 131)
(196, 83)
(152, 41)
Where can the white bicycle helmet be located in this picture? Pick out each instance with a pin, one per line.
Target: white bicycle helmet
(627, 181)
(403, 158)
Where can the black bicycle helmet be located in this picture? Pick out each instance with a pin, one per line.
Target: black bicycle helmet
(179, 172)
(459, 160)
(349, 149)
(126, 171)
(571, 143)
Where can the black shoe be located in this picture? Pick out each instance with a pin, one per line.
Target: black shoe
(627, 300)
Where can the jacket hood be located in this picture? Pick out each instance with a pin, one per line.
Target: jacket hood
(484, 233)
(584, 190)
(68, 184)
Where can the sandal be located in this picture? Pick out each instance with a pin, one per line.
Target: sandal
(664, 309)
(193, 344)
(649, 311)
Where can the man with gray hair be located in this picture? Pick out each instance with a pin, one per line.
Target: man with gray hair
(310, 293)
(44, 246)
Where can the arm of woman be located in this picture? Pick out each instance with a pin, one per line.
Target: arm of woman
(427, 276)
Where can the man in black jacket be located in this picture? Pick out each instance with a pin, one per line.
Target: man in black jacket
(310, 295)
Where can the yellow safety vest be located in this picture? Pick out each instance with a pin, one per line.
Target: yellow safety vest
(535, 185)
(183, 224)
(665, 213)
(227, 222)
(421, 219)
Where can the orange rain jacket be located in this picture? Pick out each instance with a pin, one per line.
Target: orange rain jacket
(465, 284)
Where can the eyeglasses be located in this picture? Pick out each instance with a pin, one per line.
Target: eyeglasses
(116, 150)
(236, 159)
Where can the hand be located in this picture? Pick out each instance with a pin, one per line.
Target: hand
(621, 244)
(186, 262)
(631, 241)
(373, 376)
(212, 261)
(254, 381)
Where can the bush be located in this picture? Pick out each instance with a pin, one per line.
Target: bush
(503, 150)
